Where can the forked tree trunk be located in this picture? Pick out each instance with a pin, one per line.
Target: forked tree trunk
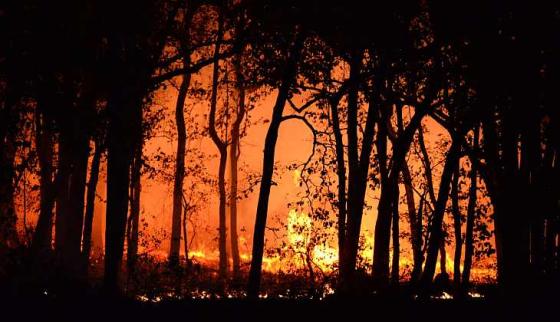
(382, 235)
(234, 156)
(222, 148)
(436, 239)
(358, 167)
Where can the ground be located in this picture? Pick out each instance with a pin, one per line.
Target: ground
(46, 309)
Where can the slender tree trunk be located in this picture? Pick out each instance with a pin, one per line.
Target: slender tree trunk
(9, 119)
(457, 230)
(90, 202)
(223, 268)
(427, 166)
(178, 197)
(233, 203)
(134, 216)
(550, 177)
(290, 72)
(396, 243)
(531, 171)
(185, 235)
(415, 225)
(42, 239)
(98, 227)
(386, 188)
(234, 155)
(471, 212)
(442, 258)
(396, 240)
(341, 176)
(179, 171)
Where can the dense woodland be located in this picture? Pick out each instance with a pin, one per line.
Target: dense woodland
(369, 81)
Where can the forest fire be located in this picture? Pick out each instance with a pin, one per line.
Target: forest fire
(297, 151)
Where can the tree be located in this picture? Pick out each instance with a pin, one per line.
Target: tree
(287, 80)
(90, 199)
(471, 211)
(128, 70)
(222, 148)
(184, 48)
(234, 152)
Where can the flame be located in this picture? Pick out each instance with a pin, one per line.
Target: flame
(325, 257)
(299, 230)
(302, 248)
(297, 177)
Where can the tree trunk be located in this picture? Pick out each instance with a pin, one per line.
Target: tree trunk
(73, 164)
(511, 224)
(396, 244)
(223, 268)
(442, 257)
(134, 216)
(9, 119)
(234, 156)
(471, 212)
(341, 176)
(179, 171)
(354, 218)
(185, 235)
(387, 189)
(233, 202)
(124, 126)
(358, 164)
(90, 202)
(290, 72)
(415, 225)
(383, 223)
(178, 197)
(42, 239)
(436, 232)
(222, 148)
(98, 227)
(427, 166)
(456, 229)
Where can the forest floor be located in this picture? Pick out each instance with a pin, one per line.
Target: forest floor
(47, 309)
(153, 296)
